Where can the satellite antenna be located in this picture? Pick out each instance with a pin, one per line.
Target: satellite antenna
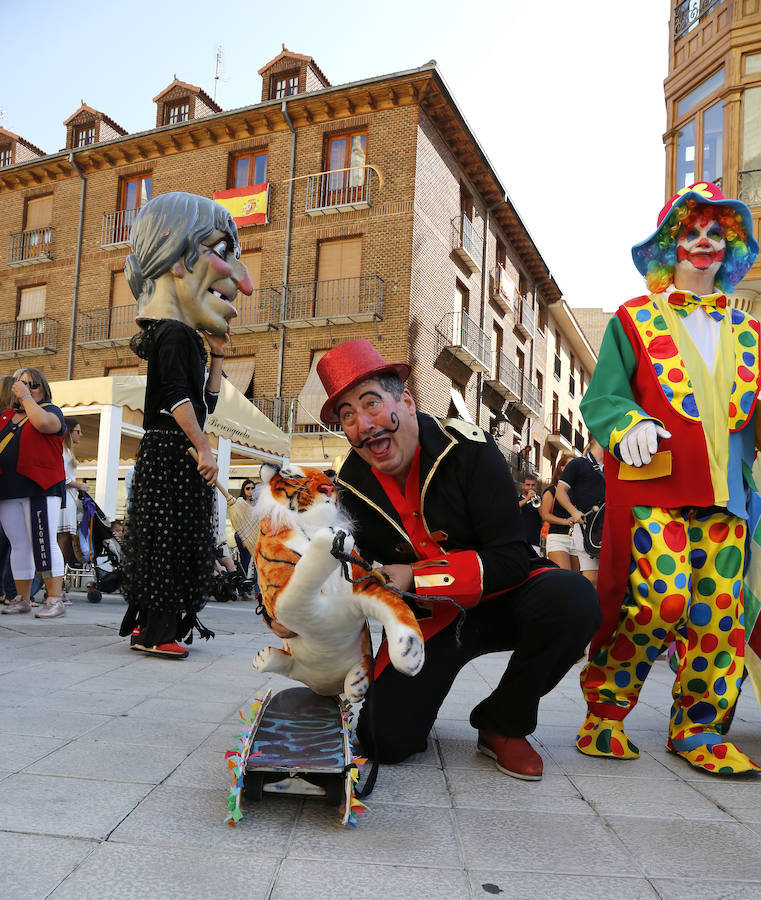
(216, 71)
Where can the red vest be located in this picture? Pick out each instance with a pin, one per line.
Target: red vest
(40, 456)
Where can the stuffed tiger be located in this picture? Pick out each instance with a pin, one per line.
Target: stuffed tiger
(304, 591)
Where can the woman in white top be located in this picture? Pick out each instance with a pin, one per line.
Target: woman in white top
(67, 524)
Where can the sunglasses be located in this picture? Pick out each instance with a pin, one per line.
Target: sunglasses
(32, 385)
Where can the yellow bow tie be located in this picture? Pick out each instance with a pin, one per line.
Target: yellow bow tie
(714, 304)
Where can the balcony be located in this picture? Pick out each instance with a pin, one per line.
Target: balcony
(338, 191)
(578, 441)
(560, 432)
(106, 326)
(26, 247)
(689, 12)
(502, 289)
(28, 337)
(283, 411)
(116, 227)
(337, 302)
(505, 377)
(749, 186)
(524, 317)
(259, 312)
(530, 403)
(466, 243)
(460, 335)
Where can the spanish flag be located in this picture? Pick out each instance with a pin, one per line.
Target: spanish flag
(248, 205)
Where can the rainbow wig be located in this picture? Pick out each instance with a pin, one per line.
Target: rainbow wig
(657, 257)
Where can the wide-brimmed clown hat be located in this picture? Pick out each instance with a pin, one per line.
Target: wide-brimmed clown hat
(704, 193)
(347, 365)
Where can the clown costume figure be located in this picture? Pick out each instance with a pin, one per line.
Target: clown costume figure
(673, 401)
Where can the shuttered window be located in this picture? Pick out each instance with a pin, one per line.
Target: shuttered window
(123, 307)
(338, 271)
(240, 374)
(312, 395)
(39, 212)
(253, 262)
(32, 303)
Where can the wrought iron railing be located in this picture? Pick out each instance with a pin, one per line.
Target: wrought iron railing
(30, 246)
(459, 330)
(689, 12)
(558, 424)
(106, 324)
(116, 227)
(532, 395)
(338, 298)
(524, 314)
(259, 311)
(508, 374)
(465, 237)
(336, 190)
(40, 334)
(749, 186)
(578, 441)
(284, 412)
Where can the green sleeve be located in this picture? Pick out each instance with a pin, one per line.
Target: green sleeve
(608, 405)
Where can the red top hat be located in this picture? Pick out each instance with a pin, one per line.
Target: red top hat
(349, 364)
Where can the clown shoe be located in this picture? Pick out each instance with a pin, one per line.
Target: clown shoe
(719, 759)
(605, 738)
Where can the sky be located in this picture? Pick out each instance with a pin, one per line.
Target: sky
(566, 99)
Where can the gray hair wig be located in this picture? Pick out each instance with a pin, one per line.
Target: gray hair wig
(170, 228)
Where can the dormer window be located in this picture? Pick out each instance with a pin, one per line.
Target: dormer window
(284, 85)
(84, 135)
(176, 112)
(6, 156)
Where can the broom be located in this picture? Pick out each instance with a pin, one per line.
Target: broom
(240, 512)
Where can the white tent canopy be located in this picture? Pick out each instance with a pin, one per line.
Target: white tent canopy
(236, 428)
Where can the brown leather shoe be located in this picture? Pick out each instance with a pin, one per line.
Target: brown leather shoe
(514, 755)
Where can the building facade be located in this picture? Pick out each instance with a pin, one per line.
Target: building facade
(713, 103)
(365, 210)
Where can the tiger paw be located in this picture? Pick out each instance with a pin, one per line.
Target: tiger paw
(270, 659)
(406, 651)
(721, 759)
(605, 738)
(356, 683)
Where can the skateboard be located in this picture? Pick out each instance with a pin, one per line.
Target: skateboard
(297, 743)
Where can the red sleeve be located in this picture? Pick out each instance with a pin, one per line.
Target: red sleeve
(458, 575)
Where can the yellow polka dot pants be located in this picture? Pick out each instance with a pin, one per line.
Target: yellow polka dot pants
(685, 584)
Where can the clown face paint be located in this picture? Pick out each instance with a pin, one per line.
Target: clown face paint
(205, 297)
(701, 247)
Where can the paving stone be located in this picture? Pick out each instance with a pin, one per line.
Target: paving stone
(466, 754)
(740, 797)
(541, 842)
(490, 789)
(662, 798)
(327, 880)
(194, 817)
(135, 872)
(205, 767)
(20, 750)
(48, 722)
(574, 762)
(153, 732)
(191, 710)
(71, 807)
(417, 785)
(105, 704)
(691, 889)
(134, 763)
(673, 848)
(34, 864)
(388, 834)
(519, 885)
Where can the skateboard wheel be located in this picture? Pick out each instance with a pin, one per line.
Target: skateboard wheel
(253, 786)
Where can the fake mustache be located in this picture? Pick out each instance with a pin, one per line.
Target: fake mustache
(379, 434)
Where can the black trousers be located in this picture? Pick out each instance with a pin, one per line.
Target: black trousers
(546, 622)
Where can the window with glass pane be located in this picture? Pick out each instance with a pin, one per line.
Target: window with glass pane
(750, 175)
(713, 141)
(347, 152)
(85, 136)
(136, 191)
(700, 92)
(177, 112)
(285, 86)
(5, 156)
(250, 169)
(685, 156)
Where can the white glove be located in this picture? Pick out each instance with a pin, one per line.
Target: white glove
(640, 442)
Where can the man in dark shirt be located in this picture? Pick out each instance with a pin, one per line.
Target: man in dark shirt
(529, 507)
(436, 505)
(580, 489)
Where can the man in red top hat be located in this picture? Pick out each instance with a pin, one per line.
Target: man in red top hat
(673, 400)
(435, 504)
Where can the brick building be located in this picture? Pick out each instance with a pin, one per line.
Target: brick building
(379, 216)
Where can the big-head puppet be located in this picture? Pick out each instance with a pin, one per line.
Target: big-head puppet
(673, 400)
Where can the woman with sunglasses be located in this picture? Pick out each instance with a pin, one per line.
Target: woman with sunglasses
(32, 484)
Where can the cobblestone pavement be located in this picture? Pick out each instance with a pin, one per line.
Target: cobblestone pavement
(113, 783)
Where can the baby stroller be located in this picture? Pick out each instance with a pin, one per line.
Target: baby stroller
(100, 570)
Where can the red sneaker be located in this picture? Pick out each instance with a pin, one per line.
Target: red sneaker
(169, 651)
(514, 756)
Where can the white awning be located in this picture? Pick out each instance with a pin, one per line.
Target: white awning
(459, 405)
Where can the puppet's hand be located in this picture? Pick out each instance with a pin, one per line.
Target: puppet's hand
(640, 442)
(218, 343)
